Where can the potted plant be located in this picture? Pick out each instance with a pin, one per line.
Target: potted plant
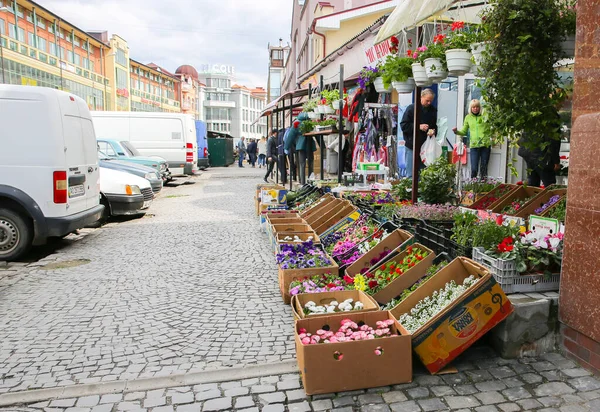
(397, 71)
(458, 54)
(434, 58)
(309, 108)
(329, 98)
(379, 84)
(418, 69)
(369, 76)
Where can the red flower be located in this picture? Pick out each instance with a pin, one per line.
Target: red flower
(409, 41)
(395, 40)
(409, 53)
(439, 39)
(411, 265)
(383, 267)
(331, 285)
(399, 271)
(520, 183)
(348, 279)
(372, 284)
(419, 257)
(370, 276)
(457, 25)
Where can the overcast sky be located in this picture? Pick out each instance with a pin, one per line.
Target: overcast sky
(195, 32)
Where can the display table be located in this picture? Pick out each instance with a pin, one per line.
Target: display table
(382, 172)
(319, 135)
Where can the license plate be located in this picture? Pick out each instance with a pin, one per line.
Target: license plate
(77, 190)
(146, 204)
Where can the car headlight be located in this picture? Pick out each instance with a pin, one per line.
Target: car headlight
(132, 190)
(150, 176)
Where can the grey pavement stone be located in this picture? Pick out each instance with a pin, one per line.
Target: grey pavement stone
(167, 408)
(382, 407)
(479, 375)
(182, 398)
(128, 406)
(573, 408)
(531, 378)
(244, 402)
(111, 398)
(466, 389)
(529, 404)
(488, 398)
(575, 372)
(343, 409)
(76, 409)
(502, 372)
(370, 398)
(275, 397)
(409, 406)
(295, 395)
(288, 384)
(392, 397)
(63, 403)
(262, 388)
(514, 394)
(233, 392)
(434, 404)
(219, 404)
(154, 402)
(274, 408)
(590, 395)
(458, 402)
(344, 401)
(418, 393)
(133, 396)
(321, 405)
(211, 394)
(585, 384)
(442, 391)
(107, 407)
(427, 380)
(509, 407)
(88, 401)
(548, 401)
(193, 407)
(553, 389)
(300, 407)
(490, 386)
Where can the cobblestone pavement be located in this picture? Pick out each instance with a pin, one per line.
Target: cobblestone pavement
(186, 288)
(484, 383)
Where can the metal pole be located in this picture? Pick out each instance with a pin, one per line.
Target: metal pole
(416, 122)
(2, 58)
(293, 148)
(341, 127)
(322, 137)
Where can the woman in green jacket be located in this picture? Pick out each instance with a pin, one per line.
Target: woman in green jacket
(479, 139)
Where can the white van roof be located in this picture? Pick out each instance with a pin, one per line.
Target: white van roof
(142, 114)
(46, 95)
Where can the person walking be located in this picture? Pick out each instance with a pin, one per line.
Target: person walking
(480, 144)
(262, 152)
(252, 152)
(241, 147)
(282, 158)
(271, 154)
(427, 127)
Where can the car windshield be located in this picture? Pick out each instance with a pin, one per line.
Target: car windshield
(103, 156)
(132, 151)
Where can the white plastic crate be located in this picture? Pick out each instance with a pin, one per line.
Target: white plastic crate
(505, 273)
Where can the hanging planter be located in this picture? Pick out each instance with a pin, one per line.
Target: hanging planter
(328, 109)
(313, 115)
(407, 86)
(435, 69)
(336, 104)
(379, 87)
(320, 109)
(458, 61)
(477, 50)
(420, 75)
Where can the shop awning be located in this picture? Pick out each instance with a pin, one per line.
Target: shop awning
(413, 13)
(274, 106)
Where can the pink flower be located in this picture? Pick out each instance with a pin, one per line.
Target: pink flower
(332, 340)
(302, 336)
(320, 332)
(377, 352)
(306, 341)
(379, 332)
(371, 337)
(422, 48)
(302, 330)
(316, 339)
(364, 328)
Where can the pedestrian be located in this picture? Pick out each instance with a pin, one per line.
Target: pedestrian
(252, 152)
(427, 127)
(241, 147)
(542, 163)
(480, 144)
(271, 154)
(282, 158)
(262, 152)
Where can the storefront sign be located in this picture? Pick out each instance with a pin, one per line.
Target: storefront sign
(123, 92)
(217, 69)
(375, 53)
(153, 103)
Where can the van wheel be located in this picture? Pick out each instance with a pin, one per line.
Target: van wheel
(15, 235)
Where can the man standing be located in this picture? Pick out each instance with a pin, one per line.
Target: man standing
(252, 148)
(241, 146)
(271, 154)
(281, 154)
(427, 126)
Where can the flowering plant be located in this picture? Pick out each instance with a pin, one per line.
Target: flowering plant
(427, 212)
(311, 308)
(402, 190)
(430, 306)
(568, 14)
(435, 50)
(480, 184)
(460, 36)
(553, 200)
(363, 248)
(407, 292)
(302, 256)
(348, 331)
(317, 284)
(373, 282)
(295, 239)
(492, 197)
(515, 206)
(345, 241)
(367, 76)
(559, 211)
(396, 69)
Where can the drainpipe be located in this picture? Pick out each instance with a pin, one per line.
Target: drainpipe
(313, 30)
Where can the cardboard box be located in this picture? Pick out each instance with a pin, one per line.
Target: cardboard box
(483, 199)
(292, 228)
(279, 239)
(268, 210)
(523, 192)
(529, 208)
(261, 186)
(342, 224)
(287, 276)
(408, 278)
(256, 206)
(460, 324)
(323, 370)
(335, 218)
(278, 221)
(318, 215)
(318, 205)
(323, 298)
(273, 196)
(398, 240)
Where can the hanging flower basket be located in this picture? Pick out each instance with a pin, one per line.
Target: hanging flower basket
(407, 86)
(336, 104)
(477, 50)
(420, 76)
(313, 115)
(435, 69)
(379, 87)
(320, 109)
(458, 61)
(328, 110)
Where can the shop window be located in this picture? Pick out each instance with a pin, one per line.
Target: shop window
(43, 57)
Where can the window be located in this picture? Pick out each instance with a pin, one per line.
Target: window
(121, 57)
(121, 78)
(53, 49)
(29, 17)
(2, 29)
(20, 11)
(31, 39)
(107, 149)
(12, 31)
(41, 43)
(76, 41)
(43, 57)
(70, 56)
(41, 23)
(21, 35)
(77, 60)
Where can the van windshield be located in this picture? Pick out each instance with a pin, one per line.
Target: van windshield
(130, 149)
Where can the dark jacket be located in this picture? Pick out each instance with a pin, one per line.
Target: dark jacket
(428, 116)
(280, 137)
(252, 148)
(538, 157)
(272, 147)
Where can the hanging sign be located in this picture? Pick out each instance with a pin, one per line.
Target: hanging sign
(375, 53)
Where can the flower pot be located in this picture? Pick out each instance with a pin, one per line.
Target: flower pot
(320, 109)
(477, 50)
(435, 70)
(378, 83)
(328, 110)
(458, 61)
(420, 76)
(313, 115)
(407, 86)
(336, 104)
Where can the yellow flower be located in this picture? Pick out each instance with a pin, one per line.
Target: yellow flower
(360, 283)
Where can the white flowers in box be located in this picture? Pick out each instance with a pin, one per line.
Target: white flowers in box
(430, 306)
(296, 239)
(311, 308)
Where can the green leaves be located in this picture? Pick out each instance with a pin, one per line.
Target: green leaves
(396, 69)
(437, 181)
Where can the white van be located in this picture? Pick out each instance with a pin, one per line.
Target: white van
(171, 136)
(49, 178)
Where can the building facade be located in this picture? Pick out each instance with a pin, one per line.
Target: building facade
(153, 89)
(191, 91)
(248, 105)
(277, 58)
(38, 48)
(219, 105)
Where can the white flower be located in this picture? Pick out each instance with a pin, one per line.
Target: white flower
(309, 304)
(333, 303)
(330, 309)
(359, 306)
(554, 242)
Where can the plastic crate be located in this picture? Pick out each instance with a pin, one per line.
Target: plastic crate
(505, 273)
(438, 238)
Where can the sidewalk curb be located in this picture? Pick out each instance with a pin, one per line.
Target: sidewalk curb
(146, 384)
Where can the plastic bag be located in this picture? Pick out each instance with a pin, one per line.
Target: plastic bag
(430, 151)
(401, 156)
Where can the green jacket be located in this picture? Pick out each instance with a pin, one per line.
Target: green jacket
(478, 132)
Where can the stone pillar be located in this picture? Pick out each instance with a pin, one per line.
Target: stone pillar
(580, 283)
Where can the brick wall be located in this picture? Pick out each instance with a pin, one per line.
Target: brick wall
(581, 349)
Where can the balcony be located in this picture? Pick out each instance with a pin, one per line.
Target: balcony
(186, 87)
(218, 103)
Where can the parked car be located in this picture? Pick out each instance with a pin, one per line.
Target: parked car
(123, 193)
(171, 136)
(123, 150)
(201, 139)
(148, 173)
(48, 167)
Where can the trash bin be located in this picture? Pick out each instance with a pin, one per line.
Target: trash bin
(220, 151)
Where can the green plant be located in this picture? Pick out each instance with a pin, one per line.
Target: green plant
(437, 181)
(480, 185)
(521, 87)
(331, 95)
(568, 14)
(326, 122)
(310, 105)
(368, 75)
(306, 126)
(465, 225)
(489, 234)
(403, 189)
(396, 69)
(559, 211)
(461, 37)
(435, 50)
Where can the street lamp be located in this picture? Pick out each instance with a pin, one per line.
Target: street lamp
(3, 8)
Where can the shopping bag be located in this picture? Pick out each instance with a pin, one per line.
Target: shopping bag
(430, 151)
(401, 155)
